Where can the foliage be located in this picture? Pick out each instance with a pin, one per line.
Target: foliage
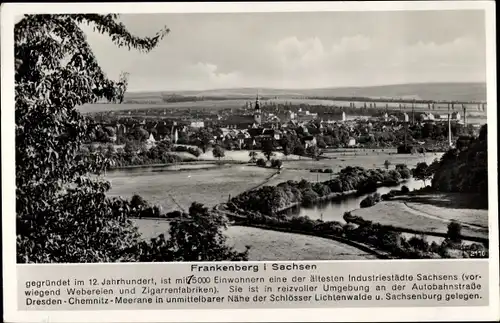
(387, 163)
(466, 169)
(198, 237)
(422, 172)
(63, 214)
(454, 231)
(218, 152)
(268, 148)
(193, 151)
(276, 163)
(261, 162)
(370, 200)
(313, 151)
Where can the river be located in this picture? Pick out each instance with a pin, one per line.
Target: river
(334, 210)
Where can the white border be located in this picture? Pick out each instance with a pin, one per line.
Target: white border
(10, 11)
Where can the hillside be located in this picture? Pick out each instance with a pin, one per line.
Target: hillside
(424, 91)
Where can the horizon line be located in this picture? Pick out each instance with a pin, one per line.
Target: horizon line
(313, 88)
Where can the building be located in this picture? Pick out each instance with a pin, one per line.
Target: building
(455, 116)
(257, 112)
(427, 117)
(197, 124)
(406, 118)
(351, 142)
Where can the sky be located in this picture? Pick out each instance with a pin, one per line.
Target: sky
(299, 50)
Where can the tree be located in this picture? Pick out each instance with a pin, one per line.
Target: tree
(203, 139)
(253, 156)
(454, 232)
(218, 152)
(387, 163)
(62, 213)
(422, 172)
(197, 237)
(287, 144)
(122, 86)
(313, 152)
(267, 149)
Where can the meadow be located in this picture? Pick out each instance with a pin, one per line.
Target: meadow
(425, 217)
(212, 184)
(362, 158)
(173, 190)
(270, 245)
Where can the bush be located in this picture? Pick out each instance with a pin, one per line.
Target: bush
(388, 196)
(419, 243)
(405, 189)
(309, 197)
(454, 231)
(276, 163)
(370, 200)
(261, 162)
(328, 170)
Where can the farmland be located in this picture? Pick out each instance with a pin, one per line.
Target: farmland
(171, 189)
(425, 217)
(212, 184)
(424, 91)
(270, 245)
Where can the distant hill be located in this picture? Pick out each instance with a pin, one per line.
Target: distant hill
(423, 91)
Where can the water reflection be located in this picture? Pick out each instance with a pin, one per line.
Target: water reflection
(334, 210)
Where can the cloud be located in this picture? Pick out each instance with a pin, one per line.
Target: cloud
(276, 53)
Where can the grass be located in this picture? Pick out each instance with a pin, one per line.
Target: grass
(243, 155)
(272, 245)
(150, 228)
(367, 159)
(426, 217)
(212, 185)
(268, 244)
(171, 189)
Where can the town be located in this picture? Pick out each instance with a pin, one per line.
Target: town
(305, 141)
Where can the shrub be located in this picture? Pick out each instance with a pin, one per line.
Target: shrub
(388, 196)
(328, 170)
(454, 231)
(276, 163)
(419, 243)
(261, 162)
(309, 196)
(405, 189)
(370, 200)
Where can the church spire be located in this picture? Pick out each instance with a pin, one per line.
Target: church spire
(257, 102)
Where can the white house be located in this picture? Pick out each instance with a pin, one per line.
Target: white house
(197, 124)
(351, 142)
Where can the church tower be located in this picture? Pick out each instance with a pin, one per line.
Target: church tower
(257, 115)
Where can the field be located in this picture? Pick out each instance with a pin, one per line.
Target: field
(235, 98)
(242, 156)
(427, 217)
(271, 245)
(366, 159)
(173, 190)
(426, 91)
(210, 185)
